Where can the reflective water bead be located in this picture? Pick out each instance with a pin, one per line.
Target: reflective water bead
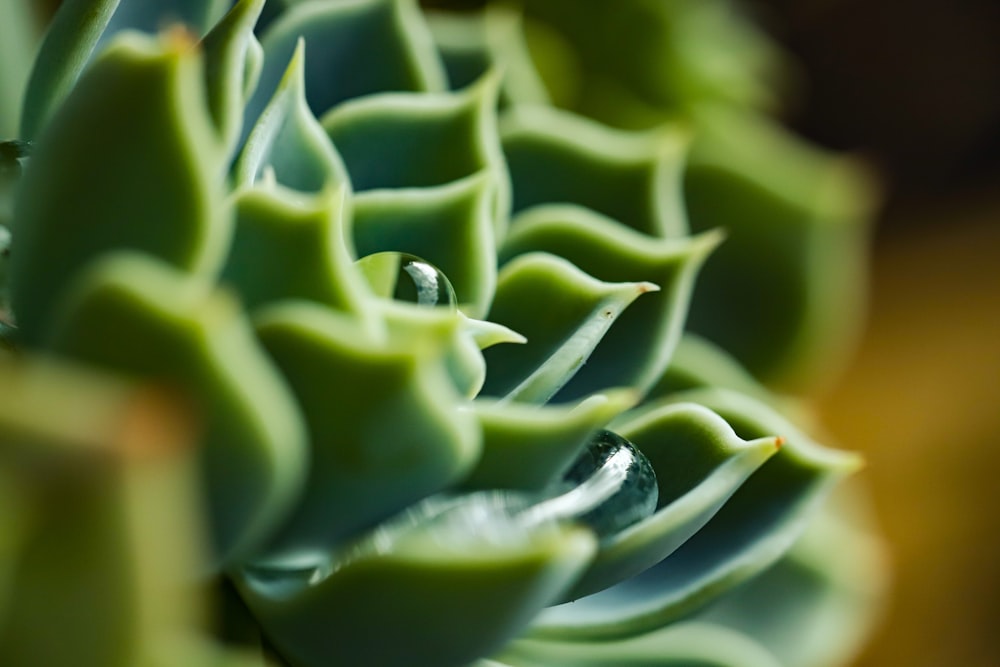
(405, 277)
(610, 486)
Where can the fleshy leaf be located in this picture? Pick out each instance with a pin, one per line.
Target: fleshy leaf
(560, 158)
(680, 645)
(642, 62)
(792, 270)
(637, 349)
(183, 332)
(563, 312)
(407, 140)
(450, 226)
(748, 534)
(438, 595)
(150, 16)
(98, 514)
(381, 414)
(66, 48)
(18, 43)
(526, 447)
(819, 609)
(232, 62)
(165, 200)
(699, 463)
(287, 146)
(287, 246)
(472, 43)
(354, 48)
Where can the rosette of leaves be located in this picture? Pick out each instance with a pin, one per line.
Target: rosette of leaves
(385, 366)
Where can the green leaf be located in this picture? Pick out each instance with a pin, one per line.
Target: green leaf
(472, 43)
(165, 200)
(526, 447)
(680, 645)
(381, 413)
(406, 140)
(699, 463)
(641, 62)
(353, 49)
(97, 514)
(287, 246)
(635, 351)
(18, 42)
(450, 226)
(793, 268)
(438, 595)
(287, 146)
(233, 58)
(564, 314)
(561, 158)
(181, 331)
(820, 609)
(749, 533)
(150, 16)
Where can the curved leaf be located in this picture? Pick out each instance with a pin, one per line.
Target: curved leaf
(699, 463)
(472, 43)
(19, 38)
(560, 158)
(287, 146)
(564, 314)
(183, 332)
(381, 415)
(290, 247)
(793, 269)
(681, 645)
(165, 200)
(637, 349)
(449, 226)
(354, 48)
(749, 533)
(433, 597)
(66, 48)
(433, 139)
(232, 62)
(526, 447)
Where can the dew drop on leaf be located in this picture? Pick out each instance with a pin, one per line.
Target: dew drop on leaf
(404, 277)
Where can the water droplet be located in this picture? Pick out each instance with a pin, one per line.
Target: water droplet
(405, 277)
(610, 486)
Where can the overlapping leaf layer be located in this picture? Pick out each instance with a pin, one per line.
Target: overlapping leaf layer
(352, 254)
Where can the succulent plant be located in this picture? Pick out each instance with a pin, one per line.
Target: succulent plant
(347, 332)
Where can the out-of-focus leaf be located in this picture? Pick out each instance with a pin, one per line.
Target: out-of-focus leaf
(792, 269)
(167, 201)
(184, 332)
(681, 645)
(102, 499)
(475, 42)
(819, 608)
(560, 158)
(232, 64)
(635, 351)
(18, 37)
(353, 49)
